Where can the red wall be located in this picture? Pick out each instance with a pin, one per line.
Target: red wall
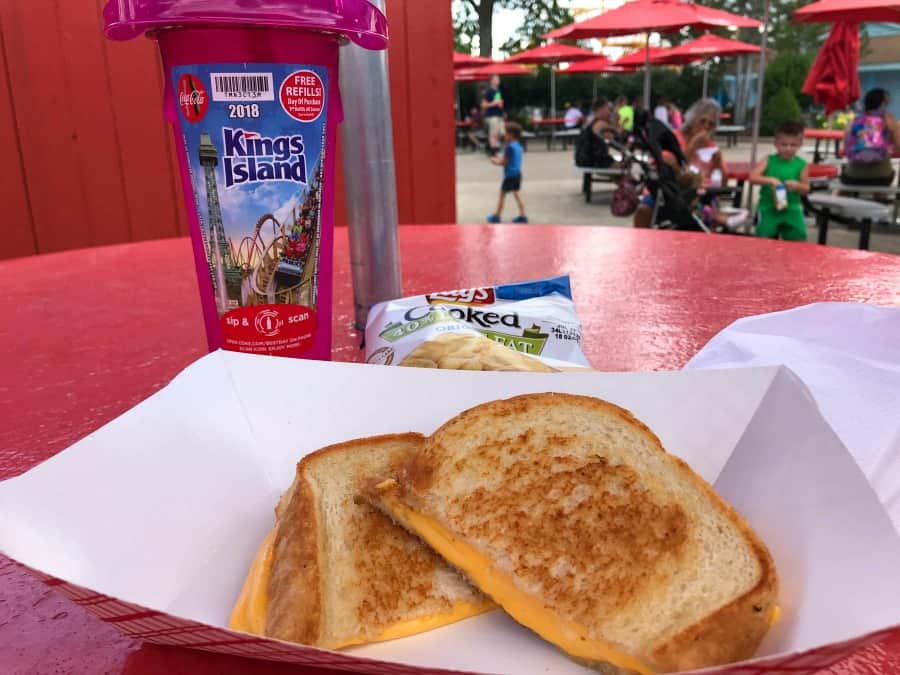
(88, 160)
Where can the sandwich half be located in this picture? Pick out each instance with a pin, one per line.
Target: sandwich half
(570, 515)
(335, 572)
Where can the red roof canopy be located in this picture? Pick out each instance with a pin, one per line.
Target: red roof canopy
(658, 16)
(706, 47)
(552, 53)
(859, 11)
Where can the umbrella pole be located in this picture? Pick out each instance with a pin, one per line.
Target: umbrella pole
(552, 104)
(757, 110)
(705, 79)
(647, 74)
(594, 90)
(552, 93)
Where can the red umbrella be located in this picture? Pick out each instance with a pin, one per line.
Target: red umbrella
(703, 48)
(552, 53)
(638, 57)
(484, 73)
(599, 64)
(469, 61)
(548, 54)
(658, 16)
(646, 16)
(859, 11)
(833, 79)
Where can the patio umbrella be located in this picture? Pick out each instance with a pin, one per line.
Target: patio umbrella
(833, 79)
(651, 16)
(859, 11)
(705, 48)
(598, 64)
(552, 54)
(638, 57)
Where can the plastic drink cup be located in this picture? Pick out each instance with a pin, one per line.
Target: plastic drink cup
(251, 92)
(781, 197)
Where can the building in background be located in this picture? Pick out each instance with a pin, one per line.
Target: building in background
(879, 65)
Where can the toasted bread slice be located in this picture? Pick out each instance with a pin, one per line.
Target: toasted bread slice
(569, 513)
(337, 573)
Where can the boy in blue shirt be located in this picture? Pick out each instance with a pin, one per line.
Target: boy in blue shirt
(512, 173)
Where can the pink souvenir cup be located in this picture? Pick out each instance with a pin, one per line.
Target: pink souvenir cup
(252, 95)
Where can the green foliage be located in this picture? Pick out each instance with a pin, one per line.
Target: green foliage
(788, 71)
(465, 27)
(541, 16)
(782, 107)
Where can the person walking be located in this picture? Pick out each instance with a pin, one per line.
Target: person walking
(492, 112)
(512, 174)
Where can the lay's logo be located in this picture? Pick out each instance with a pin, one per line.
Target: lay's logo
(249, 157)
(467, 296)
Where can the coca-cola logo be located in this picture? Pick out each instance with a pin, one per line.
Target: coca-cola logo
(193, 99)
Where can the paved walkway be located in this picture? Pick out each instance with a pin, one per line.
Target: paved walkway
(551, 190)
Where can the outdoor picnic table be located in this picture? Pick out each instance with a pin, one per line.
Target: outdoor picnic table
(819, 135)
(89, 333)
(552, 133)
(739, 172)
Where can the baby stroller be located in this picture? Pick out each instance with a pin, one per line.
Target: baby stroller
(676, 193)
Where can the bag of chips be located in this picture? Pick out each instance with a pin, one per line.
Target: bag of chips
(525, 326)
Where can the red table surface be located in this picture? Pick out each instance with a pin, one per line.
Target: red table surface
(824, 134)
(90, 333)
(741, 170)
(550, 120)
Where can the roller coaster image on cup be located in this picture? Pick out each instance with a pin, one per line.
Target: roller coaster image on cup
(276, 263)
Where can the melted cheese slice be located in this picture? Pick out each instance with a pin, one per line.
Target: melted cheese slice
(249, 613)
(569, 636)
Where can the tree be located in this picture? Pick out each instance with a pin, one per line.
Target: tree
(541, 17)
(782, 107)
(475, 18)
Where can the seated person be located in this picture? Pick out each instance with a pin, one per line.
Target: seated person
(592, 146)
(869, 142)
(704, 159)
(573, 117)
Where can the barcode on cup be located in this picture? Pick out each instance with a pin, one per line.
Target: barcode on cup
(242, 87)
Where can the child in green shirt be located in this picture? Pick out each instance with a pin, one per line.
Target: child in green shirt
(784, 178)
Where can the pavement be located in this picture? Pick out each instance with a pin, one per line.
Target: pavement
(551, 190)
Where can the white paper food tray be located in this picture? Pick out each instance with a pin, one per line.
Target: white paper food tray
(151, 521)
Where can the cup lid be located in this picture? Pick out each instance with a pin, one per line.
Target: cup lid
(358, 20)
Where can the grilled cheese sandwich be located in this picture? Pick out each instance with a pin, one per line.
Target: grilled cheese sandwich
(568, 512)
(335, 573)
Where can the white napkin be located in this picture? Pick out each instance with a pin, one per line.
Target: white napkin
(848, 355)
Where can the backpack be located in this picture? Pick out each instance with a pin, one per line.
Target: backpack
(625, 199)
(591, 150)
(868, 140)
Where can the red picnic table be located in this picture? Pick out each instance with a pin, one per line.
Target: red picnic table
(819, 135)
(739, 172)
(90, 333)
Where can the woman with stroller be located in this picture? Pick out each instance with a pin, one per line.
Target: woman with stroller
(704, 158)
